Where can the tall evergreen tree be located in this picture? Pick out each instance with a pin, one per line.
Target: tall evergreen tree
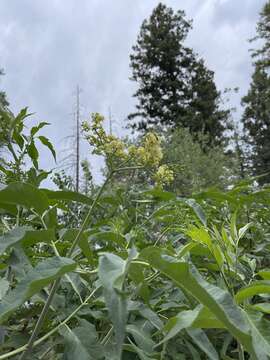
(262, 54)
(175, 89)
(256, 116)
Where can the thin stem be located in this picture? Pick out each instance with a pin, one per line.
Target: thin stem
(107, 337)
(241, 352)
(129, 168)
(57, 282)
(41, 319)
(162, 235)
(88, 216)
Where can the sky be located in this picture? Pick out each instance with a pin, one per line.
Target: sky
(47, 48)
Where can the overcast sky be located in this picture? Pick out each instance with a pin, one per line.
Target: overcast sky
(48, 47)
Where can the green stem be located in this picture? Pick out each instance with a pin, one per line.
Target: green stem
(107, 337)
(241, 352)
(57, 282)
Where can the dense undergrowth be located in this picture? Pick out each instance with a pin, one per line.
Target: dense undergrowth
(129, 272)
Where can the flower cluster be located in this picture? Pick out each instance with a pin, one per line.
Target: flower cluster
(164, 175)
(107, 145)
(148, 155)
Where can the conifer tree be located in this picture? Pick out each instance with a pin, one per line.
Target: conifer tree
(175, 88)
(256, 115)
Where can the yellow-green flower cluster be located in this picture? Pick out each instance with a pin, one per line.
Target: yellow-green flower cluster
(164, 175)
(107, 145)
(148, 155)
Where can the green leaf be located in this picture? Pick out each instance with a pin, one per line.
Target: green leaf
(218, 196)
(201, 340)
(186, 248)
(36, 279)
(140, 353)
(152, 317)
(110, 236)
(263, 307)
(112, 271)
(22, 115)
(25, 236)
(200, 317)
(256, 288)
(200, 235)
(46, 142)
(197, 210)
(260, 334)
(82, 342)
(159, 195)
(242, 231)
(33, 153)
(36, 129)
(111, 274)
(265, 274)
(25, 195)
(219, 301)
(19, 140)
(194, 353)
(70, 234)
(182, 321)
(141, 337)
(67, 196)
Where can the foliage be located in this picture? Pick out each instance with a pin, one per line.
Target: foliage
(174, 86)
(262, 54)
(145, 275)
(196, 165)
(256, 103)
(256, 123)
(20, 148)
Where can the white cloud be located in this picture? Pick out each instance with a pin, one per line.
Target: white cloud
(47, 48)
